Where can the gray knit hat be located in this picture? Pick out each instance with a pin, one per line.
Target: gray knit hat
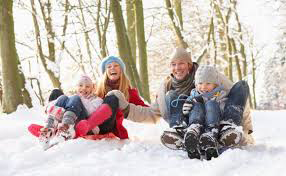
(182, 54)
(207, 74)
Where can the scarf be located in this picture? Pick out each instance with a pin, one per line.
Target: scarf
(112, 85)
(186, 85)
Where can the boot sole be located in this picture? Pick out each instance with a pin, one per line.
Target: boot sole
(211, 153)
(192, 146)
(231, 138)
(172, 140)
(209, 145)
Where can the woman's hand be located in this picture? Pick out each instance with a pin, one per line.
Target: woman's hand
(123, 103)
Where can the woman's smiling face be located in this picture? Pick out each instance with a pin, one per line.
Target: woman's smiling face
(113, 71)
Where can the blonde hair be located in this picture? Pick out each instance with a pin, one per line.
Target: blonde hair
(124, 84)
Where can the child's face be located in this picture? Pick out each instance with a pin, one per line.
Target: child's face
(113, 71)
(205, 87)
(84, 89)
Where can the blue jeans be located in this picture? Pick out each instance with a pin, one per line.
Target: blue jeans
(208, 114)
(74, 104)
(174, 109)
(235, 104)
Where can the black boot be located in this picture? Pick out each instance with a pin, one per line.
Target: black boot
(192, 141)
(208, 143)
(230, 135)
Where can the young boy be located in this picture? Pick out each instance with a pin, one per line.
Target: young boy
(207, 99)
(66, 111)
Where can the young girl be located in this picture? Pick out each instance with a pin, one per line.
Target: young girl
(208, 100)
(66, 111)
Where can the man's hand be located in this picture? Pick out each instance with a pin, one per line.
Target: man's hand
(187, 107)
(123, 103)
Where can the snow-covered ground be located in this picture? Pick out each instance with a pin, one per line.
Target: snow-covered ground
(142, 154)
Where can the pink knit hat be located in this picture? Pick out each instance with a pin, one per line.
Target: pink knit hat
(84, 79)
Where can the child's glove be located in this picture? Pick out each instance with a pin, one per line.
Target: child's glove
(187, 107)
(199, 99)
(123, 103)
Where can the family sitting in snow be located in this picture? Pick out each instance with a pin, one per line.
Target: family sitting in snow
(213, 116)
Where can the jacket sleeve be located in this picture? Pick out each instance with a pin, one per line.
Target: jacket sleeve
(134, 98)
(247, 126)
(138, 113)
(246, 119)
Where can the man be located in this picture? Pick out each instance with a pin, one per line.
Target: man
(181, 81)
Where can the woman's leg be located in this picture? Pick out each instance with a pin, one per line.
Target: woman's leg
(104, 117)
(109, 124)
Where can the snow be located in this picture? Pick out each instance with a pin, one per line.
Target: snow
(142, 154)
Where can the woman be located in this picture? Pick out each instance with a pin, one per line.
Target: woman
(109, 116)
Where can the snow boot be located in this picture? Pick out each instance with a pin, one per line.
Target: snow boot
(208, 143)
(192, 141)
(65, 132)
(230, 135)
(46, 134)
(101, 114)
(173, 138)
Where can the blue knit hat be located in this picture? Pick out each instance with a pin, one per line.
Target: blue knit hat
(109, 60)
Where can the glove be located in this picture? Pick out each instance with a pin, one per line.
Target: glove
(123, 103)
(199, 99)
(187, 107)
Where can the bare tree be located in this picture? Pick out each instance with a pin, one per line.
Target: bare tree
(14, 91)
(140, 33)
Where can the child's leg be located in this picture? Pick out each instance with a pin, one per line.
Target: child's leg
(208, 140)
(213, 116)
(196, 120)
(74, 110)
(73, 104)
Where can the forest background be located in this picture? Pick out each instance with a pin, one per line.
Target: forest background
(46, 44)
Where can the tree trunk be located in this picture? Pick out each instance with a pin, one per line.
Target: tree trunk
(143, 62)
(13, 81)
(221, 24)
(239, 74)
(178, 10)
(124, 46)
(131, 27)
(55, 80)
(180, 38)
(253, 79)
